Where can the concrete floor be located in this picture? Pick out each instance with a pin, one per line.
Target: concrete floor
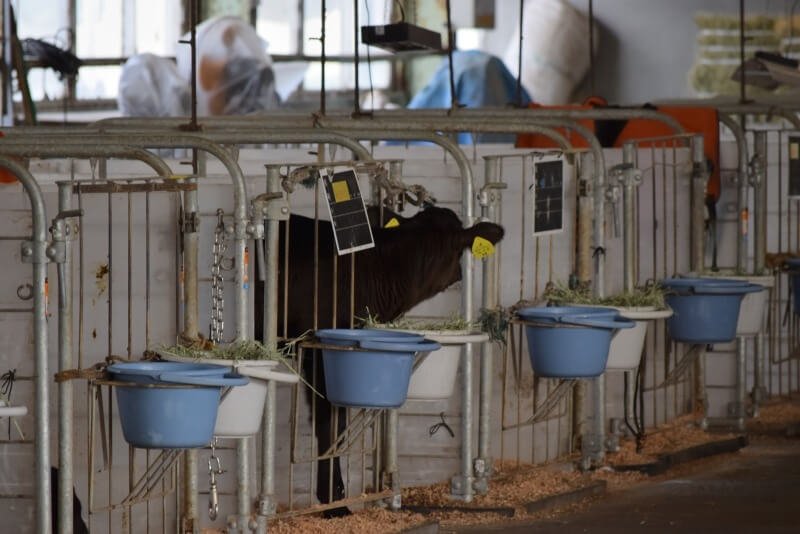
(756, 490)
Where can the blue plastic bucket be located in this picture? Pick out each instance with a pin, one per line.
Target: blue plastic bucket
(350, 337)
(706, 310)
(377, 375)
(794, 275)
(148, 372)
(570, 342)
(170, 405)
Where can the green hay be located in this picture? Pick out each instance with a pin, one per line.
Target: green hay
(650, 295)
(454, 322)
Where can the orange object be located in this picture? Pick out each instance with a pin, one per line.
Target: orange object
(7, 177)
(613, 133)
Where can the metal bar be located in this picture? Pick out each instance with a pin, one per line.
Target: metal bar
(147, 187)
(697, 204)
(191, 327)
(42, 402)
(760, 201)
(742, 177)
(65, 388)
(525, 114)
(267, 503)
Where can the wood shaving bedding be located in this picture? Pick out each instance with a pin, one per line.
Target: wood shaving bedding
(514, 484)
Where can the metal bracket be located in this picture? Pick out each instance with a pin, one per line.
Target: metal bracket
(459, 485)
(271, 206)
(35, 252)
(64, 228)
(190, 222)
(584, 188)
(487, 195)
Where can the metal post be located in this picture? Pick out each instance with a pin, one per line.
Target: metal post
(489, 198)
(461, 484)
(240, 524)
(741, 143)
(584, 273)
(628, 180)
(391, 469)
(759, 391)
(191, 240)
(267, 503)
(760, 202)
(36, 252)
(697, 203)
(741, 379)
(64, 232)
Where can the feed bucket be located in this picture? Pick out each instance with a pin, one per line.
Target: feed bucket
(570, 342)
(375, 368)
(706, 310)
(166, 405)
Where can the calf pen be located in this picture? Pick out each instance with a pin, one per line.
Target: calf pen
(665, 402)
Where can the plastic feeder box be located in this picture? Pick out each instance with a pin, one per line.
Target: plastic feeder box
(794, 274)
(377, 373)
(570, 342)
(706, 310)
(169, 405)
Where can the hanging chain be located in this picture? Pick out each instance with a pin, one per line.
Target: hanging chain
(217, 288)
(214, 469)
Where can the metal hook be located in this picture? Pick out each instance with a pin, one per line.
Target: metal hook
(25, 291)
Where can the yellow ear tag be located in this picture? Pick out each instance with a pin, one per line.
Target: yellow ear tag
(481, 248)
(393, 223)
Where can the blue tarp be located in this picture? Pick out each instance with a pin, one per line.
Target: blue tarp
(481, 80)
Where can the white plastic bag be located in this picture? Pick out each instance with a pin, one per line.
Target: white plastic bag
(149, 86)
(555, 50)
(234, 72)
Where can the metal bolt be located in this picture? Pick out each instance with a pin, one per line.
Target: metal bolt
(284, 210)
(27, 250)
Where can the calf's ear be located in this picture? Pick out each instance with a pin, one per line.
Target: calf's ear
(488, 231)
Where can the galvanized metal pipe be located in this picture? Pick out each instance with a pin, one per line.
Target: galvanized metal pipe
(741, 381)
(628, 230)
(391, 467)
(760, 202)
(584, 273)
(529, 114)
(65, 389)
(191, 329)
(490, 198)
(742, 176)
(248, 133)
(36, 250)
(697, 203)
(242, 522)
(58, 151)
(270, 328)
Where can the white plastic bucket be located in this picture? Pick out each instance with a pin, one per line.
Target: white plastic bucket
(435, 378)
(241, 409)
(751, 311)
(625, 351)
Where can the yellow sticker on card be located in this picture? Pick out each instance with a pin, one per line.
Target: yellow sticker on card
(341, 193)
(794, 150)
(482, 248)
(393, 223)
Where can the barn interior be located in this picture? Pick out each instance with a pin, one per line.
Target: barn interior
(410, 266)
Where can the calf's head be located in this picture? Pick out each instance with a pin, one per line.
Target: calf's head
(421, 256)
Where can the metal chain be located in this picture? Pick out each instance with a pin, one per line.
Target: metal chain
(214, 469)
(217, 283)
